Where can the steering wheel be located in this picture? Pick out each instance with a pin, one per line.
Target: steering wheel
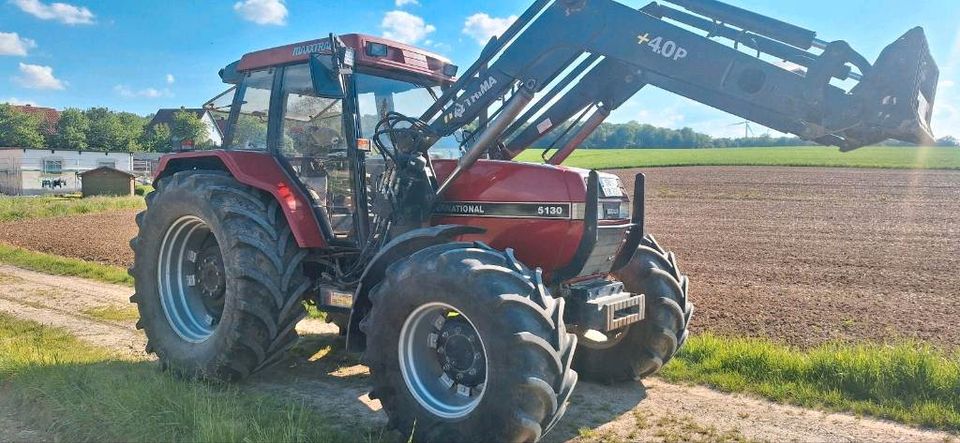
(324, 139)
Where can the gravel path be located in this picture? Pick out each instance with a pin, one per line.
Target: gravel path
(331, 381)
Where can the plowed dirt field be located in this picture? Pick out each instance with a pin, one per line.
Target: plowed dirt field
(800, 255)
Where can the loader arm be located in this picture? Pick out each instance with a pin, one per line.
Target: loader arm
(621, 49)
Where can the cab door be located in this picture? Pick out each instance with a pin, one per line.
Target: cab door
(309, 135)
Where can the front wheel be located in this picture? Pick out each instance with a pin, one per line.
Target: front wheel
(465, 344)
(641, 349)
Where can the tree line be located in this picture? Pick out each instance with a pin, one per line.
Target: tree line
(98, 129)
(638, 135)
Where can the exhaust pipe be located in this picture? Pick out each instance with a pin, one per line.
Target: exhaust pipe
(490, 135)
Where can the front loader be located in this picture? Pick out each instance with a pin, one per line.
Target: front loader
(476, 289)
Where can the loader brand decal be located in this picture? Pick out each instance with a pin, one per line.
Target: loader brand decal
(322, 46)
(559, 211)
(461, 107)
(666, 48)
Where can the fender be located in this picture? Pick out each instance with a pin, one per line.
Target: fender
(262, 171)
(402, 246)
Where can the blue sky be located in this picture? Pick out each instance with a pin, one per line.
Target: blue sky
(143, 55)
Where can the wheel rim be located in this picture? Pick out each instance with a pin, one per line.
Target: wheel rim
(191, 279)
(443, 360)
(593, 339)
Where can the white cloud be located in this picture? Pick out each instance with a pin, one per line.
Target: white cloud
(61, 12)
(170, 79)
(402, 3)
(946, 117)
(126, 92)
(944, 84)
(12, 44)
(481, 26)
(262, 12)
(17, 102)
(405, 27)
(38, 77)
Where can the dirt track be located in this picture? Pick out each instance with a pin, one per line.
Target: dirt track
(807, 255)
(802, 255)
(321, 375)
(100, 237)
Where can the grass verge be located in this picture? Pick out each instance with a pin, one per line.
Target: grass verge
(24, 208)
(113, 313)
(56, 265)
(871, 157)
(84, 393)
(909, 383)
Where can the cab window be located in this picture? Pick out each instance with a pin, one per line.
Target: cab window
(315, 146)
(250, 130)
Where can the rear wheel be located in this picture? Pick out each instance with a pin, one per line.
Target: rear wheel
(641, 349)
(465, 344)
(219, 278)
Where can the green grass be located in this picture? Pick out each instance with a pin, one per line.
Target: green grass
(314, 313)
(143, 190)
(871, 157)
(56, 265)
(113, 313)
(84, 393)
(909, 383)
(25, 208)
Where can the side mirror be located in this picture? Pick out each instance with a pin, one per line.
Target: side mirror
(327, 82)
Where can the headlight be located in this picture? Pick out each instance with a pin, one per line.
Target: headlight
(614, 210)
(450, 70)
(376, 49)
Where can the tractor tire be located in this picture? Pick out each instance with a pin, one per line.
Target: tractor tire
(465, 344)
(641, 349)
(219, 277)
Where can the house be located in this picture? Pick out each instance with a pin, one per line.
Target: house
(47, 171)
(106, 181)
(49, 116)
(214, 125)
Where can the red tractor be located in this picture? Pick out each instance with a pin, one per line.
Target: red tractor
(477, 289)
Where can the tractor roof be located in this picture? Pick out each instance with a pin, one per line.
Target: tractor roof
(401, 60)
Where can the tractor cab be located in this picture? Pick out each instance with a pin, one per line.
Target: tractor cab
(316, 113)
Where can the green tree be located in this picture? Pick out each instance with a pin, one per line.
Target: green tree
(72, 131)
(20, 129)
(188, 126)
(156, 139)
(114, 131)
(106, 130)
(131, 131)
(250, 132)
(948, 141)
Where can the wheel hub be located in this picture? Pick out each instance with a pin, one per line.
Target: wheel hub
(210, 274)
(459, 352)
(443, 360)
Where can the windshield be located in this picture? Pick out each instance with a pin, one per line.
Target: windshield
(378, 95)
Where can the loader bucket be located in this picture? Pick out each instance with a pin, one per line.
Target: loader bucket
(899, 92)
